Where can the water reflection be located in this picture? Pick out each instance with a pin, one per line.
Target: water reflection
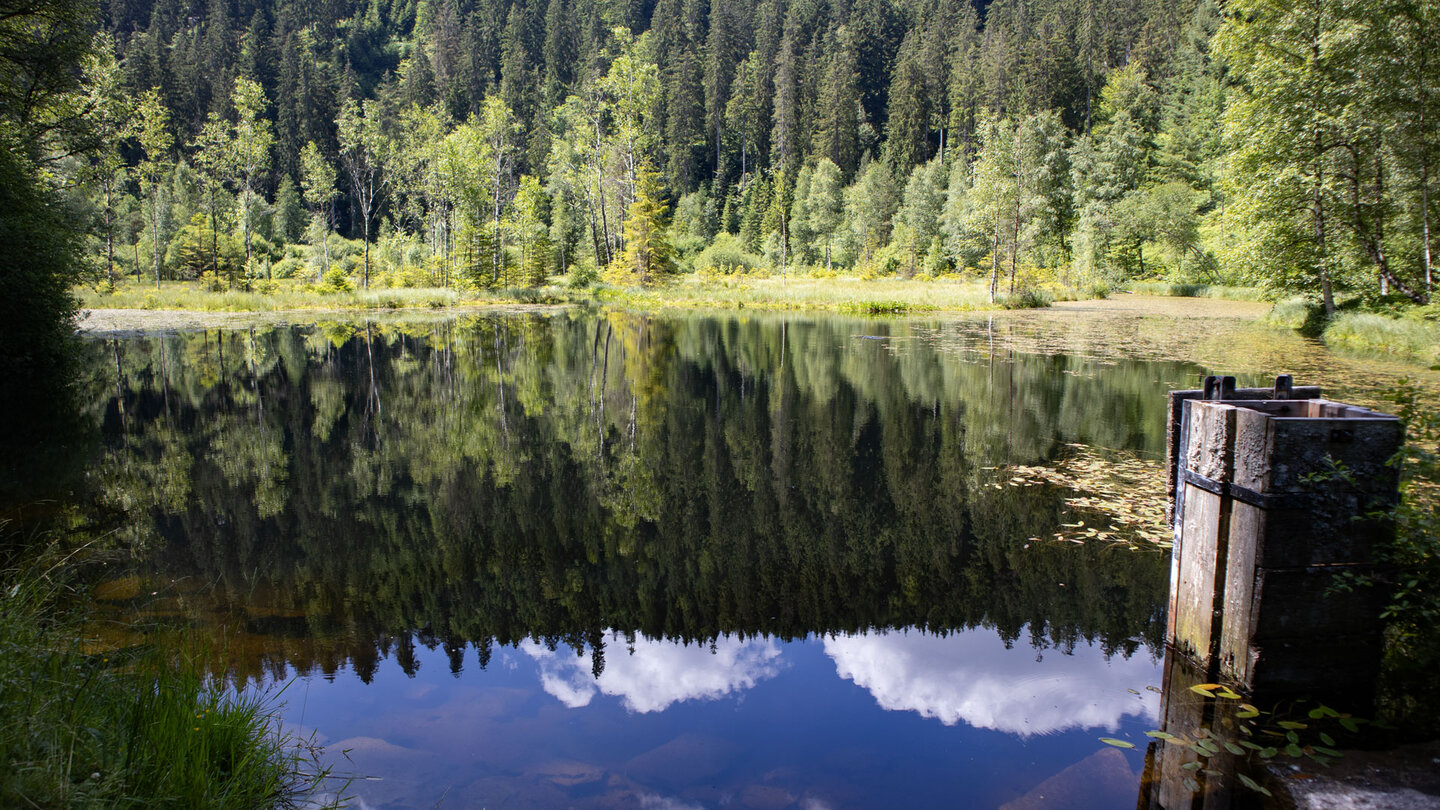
(976, 678)
(601, 559)
(651, 674)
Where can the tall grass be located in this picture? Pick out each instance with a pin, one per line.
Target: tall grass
(1196, 290)
(1365, 332)
(122, 729)
(874, 296)
(189, 296)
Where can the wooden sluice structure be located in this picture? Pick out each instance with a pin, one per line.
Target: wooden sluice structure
(1276, 495)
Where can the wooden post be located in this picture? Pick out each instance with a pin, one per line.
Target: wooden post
(1274, 499)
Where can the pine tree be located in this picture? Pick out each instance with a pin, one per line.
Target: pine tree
(648, 253)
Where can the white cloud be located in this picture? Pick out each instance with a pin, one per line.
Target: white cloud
(658, 673)
(970, 676)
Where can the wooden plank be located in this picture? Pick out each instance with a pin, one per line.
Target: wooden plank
(1193, 602)
(1240, 604)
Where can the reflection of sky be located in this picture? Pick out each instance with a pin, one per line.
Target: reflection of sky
(971, 677)
(654, 674)
(758, 723)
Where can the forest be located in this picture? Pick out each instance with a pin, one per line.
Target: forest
(503, 143)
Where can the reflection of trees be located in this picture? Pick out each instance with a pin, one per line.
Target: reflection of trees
(500, 478)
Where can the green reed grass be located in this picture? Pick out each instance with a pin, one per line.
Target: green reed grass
(1218, 291)
(82, 728)
(849, 295)
(1364, 332)
(190, 296)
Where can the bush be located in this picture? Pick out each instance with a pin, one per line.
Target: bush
(1025, 299)
(725, 256)
(337, 281)
(289, 267)
(875, 307)
(581, 277)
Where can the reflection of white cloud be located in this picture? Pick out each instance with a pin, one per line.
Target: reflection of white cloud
(657, 673)
(650, 801)
(970, 676)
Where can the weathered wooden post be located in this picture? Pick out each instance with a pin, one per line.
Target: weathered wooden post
(1273, 493)
(1274, 496)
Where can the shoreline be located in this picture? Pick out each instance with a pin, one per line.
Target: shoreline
(103, 322)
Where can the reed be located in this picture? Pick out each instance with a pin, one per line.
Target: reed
(83, 727)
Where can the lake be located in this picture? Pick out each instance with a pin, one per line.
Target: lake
(601, 558)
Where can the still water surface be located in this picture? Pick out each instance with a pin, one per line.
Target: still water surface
(602, 559)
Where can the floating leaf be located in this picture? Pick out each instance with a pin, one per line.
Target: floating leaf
(1294, 750)
(1235, 749)
(1191, 766)
(1268, 752)
(1292, 737)
(1160, 735)
(1117, 743)
(1326, 738)
(1247, 711)
(1329, 752)
(1291, 724)
(1227, 693)
(1252, 784)
(1350, 724)
(1192, 785)
(1252, 746)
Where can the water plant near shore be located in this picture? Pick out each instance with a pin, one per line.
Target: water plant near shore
(82, 726)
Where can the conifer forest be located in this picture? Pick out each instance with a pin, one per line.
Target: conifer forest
(501, 143)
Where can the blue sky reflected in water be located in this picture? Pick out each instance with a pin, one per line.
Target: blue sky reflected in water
(886, 719)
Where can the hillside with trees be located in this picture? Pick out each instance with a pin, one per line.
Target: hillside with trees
(502, 142)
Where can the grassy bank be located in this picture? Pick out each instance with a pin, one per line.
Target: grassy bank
(1414, 339)
(849, 295)
(81, 727)
(1411, 334)
(192, 296)
(852, 295)
(1217, 291)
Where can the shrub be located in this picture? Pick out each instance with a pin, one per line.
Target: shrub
(726, 255)
(289, 267)
(582, 276)
(337, 281)
(1025, 299)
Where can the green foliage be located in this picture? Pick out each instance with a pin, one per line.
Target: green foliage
(1415, 600)
(725, 255)
(38, 264)
(335, 280)
(122, 728)
(197, 249)
(1414, 339)
(648, 254)
(1025, 299)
